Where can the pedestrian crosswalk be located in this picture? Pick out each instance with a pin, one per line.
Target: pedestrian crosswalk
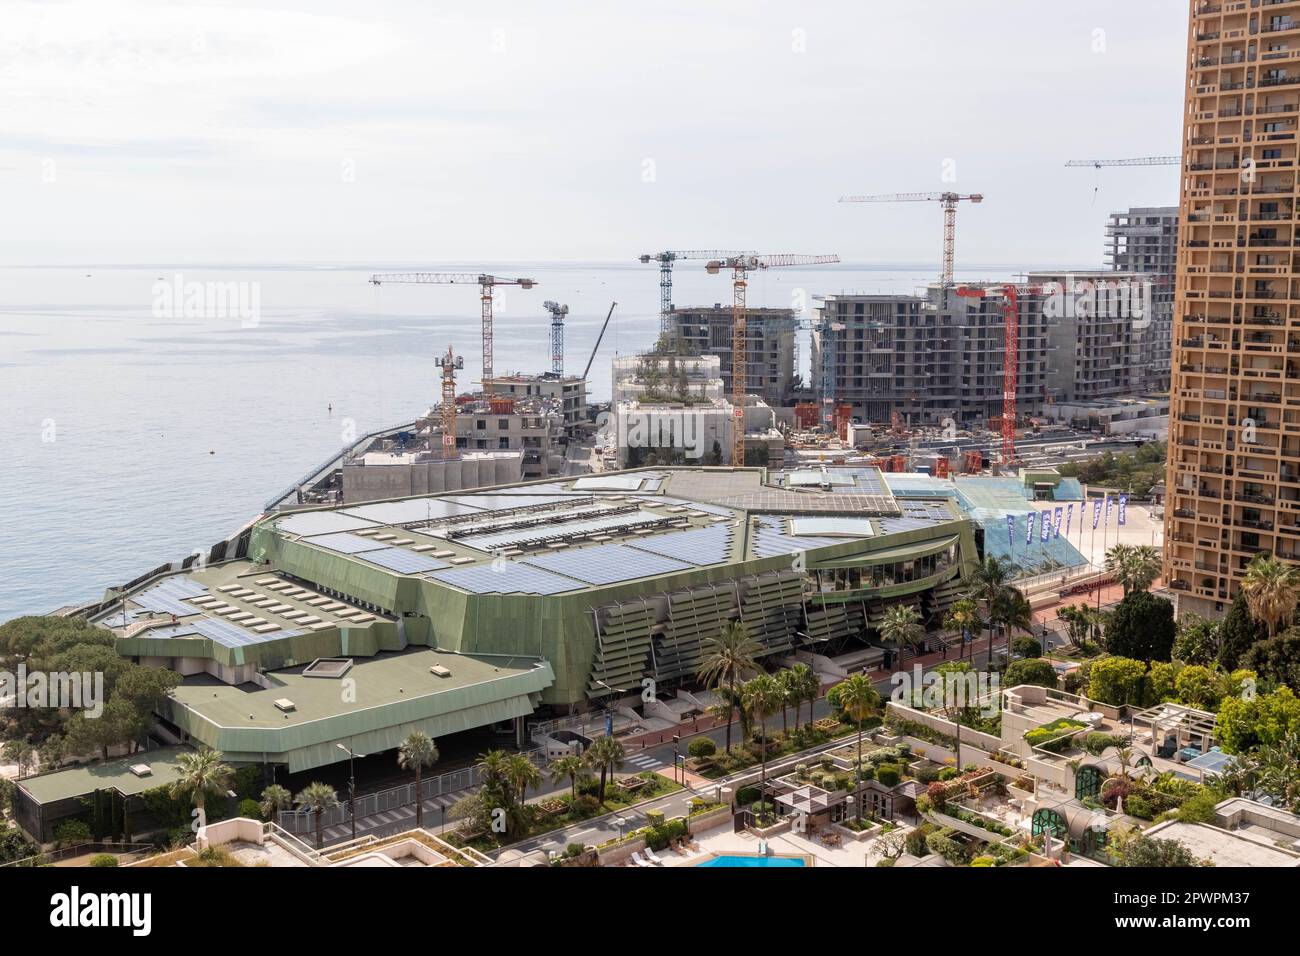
(387, 818)
(644, 762)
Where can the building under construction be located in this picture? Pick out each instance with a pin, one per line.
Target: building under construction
(769, 346)
(1145, 240)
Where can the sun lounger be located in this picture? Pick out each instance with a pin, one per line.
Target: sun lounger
(639, 861)
(650, 855)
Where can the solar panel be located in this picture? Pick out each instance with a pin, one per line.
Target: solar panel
(611, 482)
(607, 563)
(699, 546)
(507, 502)
(413, 509)
(344, 542)
(166, 596)
(693, 505)
(771, 539)
(505, 578)
(403, 561)
(577, 525)
(321, 522)
(222, 632)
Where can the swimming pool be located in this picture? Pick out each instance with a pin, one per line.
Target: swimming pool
(754, 861)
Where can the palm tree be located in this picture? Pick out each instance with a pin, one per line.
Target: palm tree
(1278, 769)
(988, 586)
(1118, 562)
(963, 617)
(812, 686)
(785, 681)
(859, 700)
(801, 677)
(902, 627)
(728, 659)
(317, 797)
(570, 767)
(418, 752)
(605, 755)
(1272, 590)
(201, 773)
(763, 696)
(1144, 566)
(1015, 611)
(522, 774)
(274, 799)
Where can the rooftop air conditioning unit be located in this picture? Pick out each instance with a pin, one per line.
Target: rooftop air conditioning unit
(141, 770)
(285, 704)
(439, 671)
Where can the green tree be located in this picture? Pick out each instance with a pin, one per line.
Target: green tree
(606, 756)
(1199, 687)
(727, 660)
(1272, 590)
(522, 774)
(789, 688)
(1030, 671)
(805, 686)
(859, 700)
(1197, 641)
(570, 767)
(1136, 567)
(1117, 681)
(963, 617)
(418, 752)
(902, 627)
(1261, 720)
(1142, 627)
(1237, 632)
(763, 696)
(1153, 852)
(1276, 659)
(989, 584)
(275, 798)
(317, 797)
(1277, 770)
(21, 753)
(199, 774)
(1083, 624)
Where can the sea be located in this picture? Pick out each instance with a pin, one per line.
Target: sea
(148, 411)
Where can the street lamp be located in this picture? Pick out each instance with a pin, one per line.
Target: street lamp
(352, 787)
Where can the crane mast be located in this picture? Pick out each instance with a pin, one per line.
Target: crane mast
(741, 265)
(558, 312)
(449, 363)
(666, 260)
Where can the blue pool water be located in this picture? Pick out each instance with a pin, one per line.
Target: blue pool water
(754, 861)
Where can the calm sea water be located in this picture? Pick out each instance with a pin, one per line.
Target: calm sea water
(132, 436)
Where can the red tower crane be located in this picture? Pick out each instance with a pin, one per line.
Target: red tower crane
(1011, 356)
(486, 284)
(741, 266)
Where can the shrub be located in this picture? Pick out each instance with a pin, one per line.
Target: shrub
(1027, 647)
(916, 840)
(1030, 671)
(1095, 743)
(984, 861)
(250, 809)
(946, 847)
(947, 773)
(103, 859)
(938, 794)
(702, 747)
(72, 832)
(888, 774)
(746, 796)
(929, 773)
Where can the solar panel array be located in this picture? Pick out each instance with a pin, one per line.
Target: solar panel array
(692, 505)
(559, 529)
(698, 546)
(505, 577)
(322, 522)
(168, 595)
(344, 542)
(839, 526)
(504, 502)
(403, 561)
(606, 563)
(407, 511)
(771, 539)
(222, 632)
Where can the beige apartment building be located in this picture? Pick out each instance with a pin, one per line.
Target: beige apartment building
(1234, 462)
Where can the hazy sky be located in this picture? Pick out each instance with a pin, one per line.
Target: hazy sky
(401, 132)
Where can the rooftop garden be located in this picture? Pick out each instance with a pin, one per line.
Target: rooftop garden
(1055, 736)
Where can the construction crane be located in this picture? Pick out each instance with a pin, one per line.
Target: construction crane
(486, 284)
(740, 266)
(949, 202)
(1011, 355)
(666, 260)
(558, 312)
(449, 363)
(595, 347)
(1139, 161)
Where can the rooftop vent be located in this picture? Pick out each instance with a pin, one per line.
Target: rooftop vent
(285, 704)
(437, 670)
(141, 770)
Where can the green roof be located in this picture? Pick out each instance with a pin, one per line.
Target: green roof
(112, 774)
